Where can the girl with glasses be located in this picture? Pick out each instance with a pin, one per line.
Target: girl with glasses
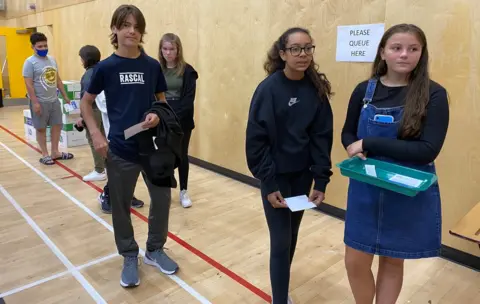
(288, 144)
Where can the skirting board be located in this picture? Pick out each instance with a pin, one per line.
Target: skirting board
(448, 253)
(8, 102)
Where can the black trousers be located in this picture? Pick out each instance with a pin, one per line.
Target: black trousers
(184, 166)
(122, 178)
(283, 226)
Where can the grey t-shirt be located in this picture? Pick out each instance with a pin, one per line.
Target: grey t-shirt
(43, 71)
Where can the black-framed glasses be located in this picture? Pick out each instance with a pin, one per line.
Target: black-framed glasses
(296, 50)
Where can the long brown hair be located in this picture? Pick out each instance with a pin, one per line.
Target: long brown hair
(418, 93)
(180, 63)
(120, 16)
(274, 63)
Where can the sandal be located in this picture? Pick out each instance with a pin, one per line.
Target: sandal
(64, 156)
(47, 160)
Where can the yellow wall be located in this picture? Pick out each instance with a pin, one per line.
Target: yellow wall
(18, 49)
(3, 55)
(227, 42)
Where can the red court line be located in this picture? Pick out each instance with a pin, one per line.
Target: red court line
(177, 239)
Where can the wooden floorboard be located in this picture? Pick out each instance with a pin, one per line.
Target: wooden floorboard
(221, 243)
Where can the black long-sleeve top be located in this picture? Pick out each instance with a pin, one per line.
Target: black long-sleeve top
(421, 150)
(289, 129)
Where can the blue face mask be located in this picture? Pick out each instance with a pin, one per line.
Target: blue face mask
(42, 53)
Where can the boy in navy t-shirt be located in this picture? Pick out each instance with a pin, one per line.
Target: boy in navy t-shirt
(132, 81)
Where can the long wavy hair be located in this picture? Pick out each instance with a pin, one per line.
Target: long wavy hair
(418, 92)
(180, 63)
(274, 63)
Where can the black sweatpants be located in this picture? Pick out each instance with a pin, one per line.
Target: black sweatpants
(184, 166)
(284, 226)
(122, 178)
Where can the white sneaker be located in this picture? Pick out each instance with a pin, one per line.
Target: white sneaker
(94, 176)
(185, 199)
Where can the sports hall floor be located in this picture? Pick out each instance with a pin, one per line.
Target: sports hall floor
(56, 246)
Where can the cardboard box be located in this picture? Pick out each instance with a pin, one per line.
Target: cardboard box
(70, 119)
(30, 132)
(69, 136)
(73, 89)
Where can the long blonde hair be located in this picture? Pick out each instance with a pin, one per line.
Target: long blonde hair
(180, 62)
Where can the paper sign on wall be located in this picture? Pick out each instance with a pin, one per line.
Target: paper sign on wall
(358, 43)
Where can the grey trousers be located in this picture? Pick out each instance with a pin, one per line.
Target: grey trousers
(122, 177)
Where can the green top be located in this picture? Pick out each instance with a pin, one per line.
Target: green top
(174, 84)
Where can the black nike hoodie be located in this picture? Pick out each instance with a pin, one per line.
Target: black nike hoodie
(289, 130)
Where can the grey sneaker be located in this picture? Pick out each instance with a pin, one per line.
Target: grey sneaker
(130, 272)
(159, 259)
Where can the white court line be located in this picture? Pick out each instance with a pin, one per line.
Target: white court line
(97, 261)
(80, 278)
(55, 276)
(174, 278)
(36, 283)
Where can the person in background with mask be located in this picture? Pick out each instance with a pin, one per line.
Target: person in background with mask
(42, 80)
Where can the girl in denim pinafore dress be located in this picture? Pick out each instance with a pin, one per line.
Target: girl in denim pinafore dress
(379, 221)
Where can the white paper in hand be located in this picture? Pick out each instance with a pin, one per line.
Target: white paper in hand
(298, 203)
(133, 130)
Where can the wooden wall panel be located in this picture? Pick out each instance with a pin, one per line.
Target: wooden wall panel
(227, 42)
(18, 8)
(231, 50)
(44, 5)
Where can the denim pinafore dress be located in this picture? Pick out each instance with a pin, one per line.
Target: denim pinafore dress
(383, 222)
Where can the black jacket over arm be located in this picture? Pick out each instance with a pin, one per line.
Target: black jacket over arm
(160, 162)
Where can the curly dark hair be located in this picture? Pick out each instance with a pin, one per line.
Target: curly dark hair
(274, 63)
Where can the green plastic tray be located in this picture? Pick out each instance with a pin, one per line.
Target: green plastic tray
(355, 168)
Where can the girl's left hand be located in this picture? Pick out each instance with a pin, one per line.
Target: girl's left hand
(356, 149)
(317, 197)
